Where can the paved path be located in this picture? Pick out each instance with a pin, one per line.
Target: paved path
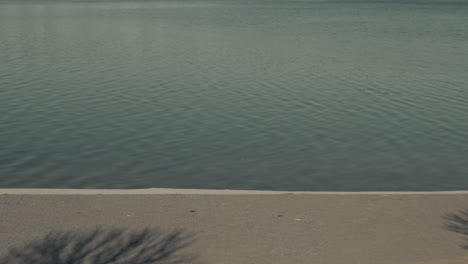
(245, 227)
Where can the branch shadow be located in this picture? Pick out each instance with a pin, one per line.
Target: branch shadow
(458, 223)
(105, 246)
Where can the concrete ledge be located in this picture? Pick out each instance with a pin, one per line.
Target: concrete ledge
(249, 227)
(201, 191)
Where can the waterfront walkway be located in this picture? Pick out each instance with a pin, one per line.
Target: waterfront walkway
(236, 227)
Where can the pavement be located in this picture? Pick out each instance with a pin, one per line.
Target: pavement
(236, 227)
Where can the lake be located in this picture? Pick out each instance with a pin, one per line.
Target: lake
(233, 94)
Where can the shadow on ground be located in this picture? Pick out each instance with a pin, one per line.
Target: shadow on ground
(458, 223)
(105, 246)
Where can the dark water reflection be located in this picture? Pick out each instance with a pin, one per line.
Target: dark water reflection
(284, 95)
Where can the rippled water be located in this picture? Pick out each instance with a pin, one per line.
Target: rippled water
(283, 95)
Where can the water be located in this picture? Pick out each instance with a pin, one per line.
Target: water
(281, 94)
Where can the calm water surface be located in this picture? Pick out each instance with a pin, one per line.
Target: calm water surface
(283, 95)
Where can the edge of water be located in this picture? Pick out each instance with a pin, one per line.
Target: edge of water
(19, 191)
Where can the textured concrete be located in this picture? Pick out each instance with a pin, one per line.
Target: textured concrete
(254, 227)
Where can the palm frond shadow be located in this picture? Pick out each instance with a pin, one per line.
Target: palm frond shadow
(458, 223)
(105, 246)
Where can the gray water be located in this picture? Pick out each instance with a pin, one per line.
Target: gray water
(282, 94)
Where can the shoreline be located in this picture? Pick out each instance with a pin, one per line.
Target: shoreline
(60, 191)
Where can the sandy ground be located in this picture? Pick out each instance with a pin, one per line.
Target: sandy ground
(247, 226)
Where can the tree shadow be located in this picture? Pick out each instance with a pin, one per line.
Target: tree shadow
(458, 223)
(105, 246)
